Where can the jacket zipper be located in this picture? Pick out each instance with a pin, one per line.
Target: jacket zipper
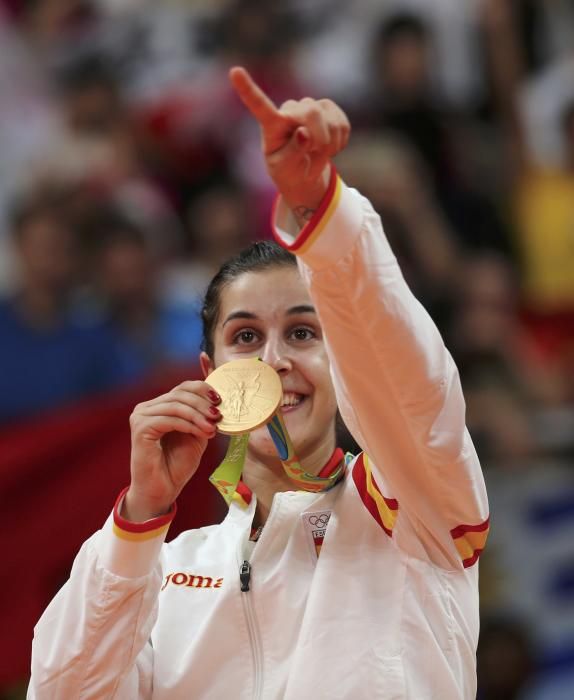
(252, 628)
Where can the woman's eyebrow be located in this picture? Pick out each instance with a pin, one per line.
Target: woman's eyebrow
(240, 314)
(293, 311)
(301, 309)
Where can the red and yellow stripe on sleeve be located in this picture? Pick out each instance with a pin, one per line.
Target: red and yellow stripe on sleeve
(140, 532)
(315, 226)
(384, 510)
(470, 541)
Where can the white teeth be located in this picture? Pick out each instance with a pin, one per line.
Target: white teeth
(291, 399)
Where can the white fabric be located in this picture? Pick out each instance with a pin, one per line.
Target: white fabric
(373, 616)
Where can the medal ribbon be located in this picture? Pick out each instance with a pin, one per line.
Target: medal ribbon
(226, 477)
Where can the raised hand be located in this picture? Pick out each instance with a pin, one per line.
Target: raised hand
(298, 139)
(169, 436)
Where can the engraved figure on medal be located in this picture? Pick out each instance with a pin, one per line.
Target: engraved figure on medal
(239, 397)
(250, 393)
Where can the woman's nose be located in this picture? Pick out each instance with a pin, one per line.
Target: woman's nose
(276, 355)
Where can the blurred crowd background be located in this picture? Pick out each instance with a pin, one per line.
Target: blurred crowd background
(129, 171)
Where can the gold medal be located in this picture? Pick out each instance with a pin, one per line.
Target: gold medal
(250, 393)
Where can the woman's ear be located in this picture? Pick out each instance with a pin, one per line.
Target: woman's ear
(206, 364)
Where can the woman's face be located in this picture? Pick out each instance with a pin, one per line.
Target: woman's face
(269, 314)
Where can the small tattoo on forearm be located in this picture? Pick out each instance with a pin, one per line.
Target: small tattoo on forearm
(303, 213)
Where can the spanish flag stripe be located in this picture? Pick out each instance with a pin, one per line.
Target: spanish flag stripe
(462, 529)
(388, 515)
(138, 532)
(312, 230)
(302, 246)
(470, 540)
(467, 545)
(389, 503)
(464, 548)
(471, 560)
(476, 540)
(360, 479)
(139, 536)
(359, 476)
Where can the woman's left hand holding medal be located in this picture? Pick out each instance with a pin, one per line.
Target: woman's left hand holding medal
(169, 436)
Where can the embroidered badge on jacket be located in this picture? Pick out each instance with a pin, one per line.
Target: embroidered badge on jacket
(315, 525)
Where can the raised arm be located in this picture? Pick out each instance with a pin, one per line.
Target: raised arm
(397, 386)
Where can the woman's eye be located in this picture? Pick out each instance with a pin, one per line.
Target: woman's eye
(302, 334)
(245, 337)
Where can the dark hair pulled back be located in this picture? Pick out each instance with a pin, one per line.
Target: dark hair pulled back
(258, 257)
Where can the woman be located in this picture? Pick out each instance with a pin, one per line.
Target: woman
(368, 588)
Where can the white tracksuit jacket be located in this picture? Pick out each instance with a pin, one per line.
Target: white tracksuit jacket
(389, 609)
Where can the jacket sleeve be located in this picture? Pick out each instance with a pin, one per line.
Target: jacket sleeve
(93, 639)
(397, 386)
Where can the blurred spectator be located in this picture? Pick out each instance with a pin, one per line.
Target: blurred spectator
(50, 353)
(56, 28)
(149, 332)
(29, 119)
(337, 34)
(546, 31)
(261, 36)
(404, 99)
(219, 224)
(98, 144)
(542, 199)
(506, 382)
(102, 150)
(392, 175)
(491, 350)
(264, 37)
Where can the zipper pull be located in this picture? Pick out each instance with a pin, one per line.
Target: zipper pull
(245, 575)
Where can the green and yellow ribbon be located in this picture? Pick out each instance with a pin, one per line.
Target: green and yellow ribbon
(227, 475)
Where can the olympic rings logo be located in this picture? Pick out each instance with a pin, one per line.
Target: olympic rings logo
(320, 520)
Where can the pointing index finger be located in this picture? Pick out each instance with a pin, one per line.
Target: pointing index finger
(253, 97)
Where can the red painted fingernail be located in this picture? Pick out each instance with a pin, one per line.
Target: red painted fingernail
(214, 411)
(301, 138)
(214, 396)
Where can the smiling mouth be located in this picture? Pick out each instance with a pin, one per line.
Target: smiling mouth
(291, 401)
